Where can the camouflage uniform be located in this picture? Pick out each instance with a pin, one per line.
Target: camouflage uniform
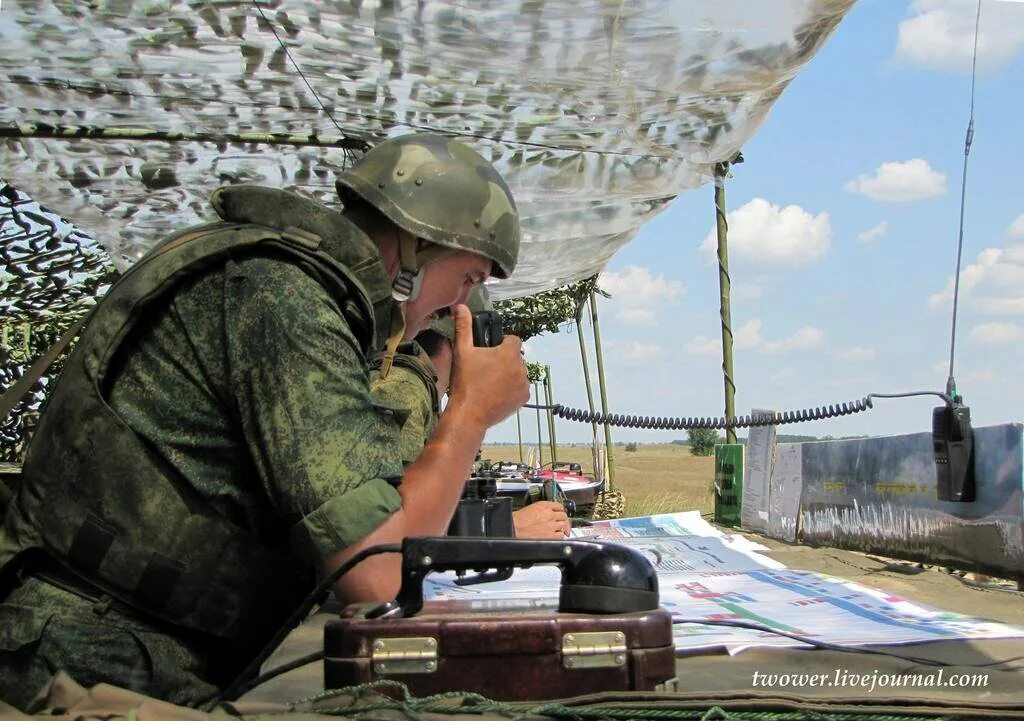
(411, 389)
(246, 382)
(212, 438)
(411, 386)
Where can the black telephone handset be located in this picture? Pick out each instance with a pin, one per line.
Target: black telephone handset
(953, 443)
(487, 329)
(596, 577)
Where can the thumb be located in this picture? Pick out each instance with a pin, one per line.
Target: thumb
(463, 326)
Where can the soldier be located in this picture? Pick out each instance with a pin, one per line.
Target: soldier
(418, 380)
(212, 446)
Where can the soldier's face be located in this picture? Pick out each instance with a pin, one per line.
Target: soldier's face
(446, 282)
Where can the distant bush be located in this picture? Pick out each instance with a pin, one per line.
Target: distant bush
(702, 441)
(631, 447)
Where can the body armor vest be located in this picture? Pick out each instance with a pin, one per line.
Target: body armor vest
(102, 504)
(411, 355)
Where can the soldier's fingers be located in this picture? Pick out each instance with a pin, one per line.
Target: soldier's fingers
(463, 326)
(516, 345)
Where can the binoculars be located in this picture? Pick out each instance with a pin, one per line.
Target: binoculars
(481, 511)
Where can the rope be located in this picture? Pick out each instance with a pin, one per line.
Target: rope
(475, 704)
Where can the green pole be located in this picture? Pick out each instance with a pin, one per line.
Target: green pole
(604, 392)
(724, 293)
(519, 432)
(540, 440)
(586, 371)
(549, 393)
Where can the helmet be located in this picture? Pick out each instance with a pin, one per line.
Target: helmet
(444, 324)
(442, 191)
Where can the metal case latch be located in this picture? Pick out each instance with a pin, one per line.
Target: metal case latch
(601, 649)
(404, 655)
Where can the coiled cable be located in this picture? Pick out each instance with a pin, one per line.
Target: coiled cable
(776, 418)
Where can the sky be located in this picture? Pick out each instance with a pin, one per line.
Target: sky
(843, 226)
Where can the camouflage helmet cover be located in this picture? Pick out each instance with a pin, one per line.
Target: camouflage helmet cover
(442, 191)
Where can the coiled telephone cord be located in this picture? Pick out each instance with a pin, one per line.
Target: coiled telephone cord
(723, 422)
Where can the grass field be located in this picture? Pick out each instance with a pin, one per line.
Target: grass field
(654, 478)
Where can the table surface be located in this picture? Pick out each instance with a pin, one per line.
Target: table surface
(720, 676)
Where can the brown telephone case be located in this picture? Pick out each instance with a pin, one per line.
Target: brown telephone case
(502, 653)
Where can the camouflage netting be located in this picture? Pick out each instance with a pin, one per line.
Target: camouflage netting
(598, 113)
(51, 275)
(123, 115)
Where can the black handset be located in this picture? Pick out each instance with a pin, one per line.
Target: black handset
(953, 443)
(487, 329)
(596, 577)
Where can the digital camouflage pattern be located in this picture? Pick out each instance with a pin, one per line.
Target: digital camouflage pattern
(412, 383)
(236, 443)
(411, 388)
(45, 628)
(440, 190)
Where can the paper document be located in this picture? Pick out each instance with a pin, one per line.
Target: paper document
(707, 575)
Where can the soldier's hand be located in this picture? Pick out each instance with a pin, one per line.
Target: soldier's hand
(490, 382)
(542, 520)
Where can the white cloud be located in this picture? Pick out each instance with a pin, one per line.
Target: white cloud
(744, 337)
(997, 332)
(638, 352)
(748, 335)
(763, 232)
(896, 182)
(939, 34)
(746, 291)
(976, 375)
(874, 232)
(806, 337)
(1016, 229)
(640, 316)
(857, 354)
(637, 296)
(702, 345)
(994, 282)
(1000, 306)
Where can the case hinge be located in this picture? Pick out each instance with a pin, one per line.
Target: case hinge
(404, 655)
(602, 649)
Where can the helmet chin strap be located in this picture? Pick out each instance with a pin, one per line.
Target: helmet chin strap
(397, 332)
(406, 287)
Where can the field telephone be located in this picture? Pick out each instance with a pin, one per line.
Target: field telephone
(608, 632)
